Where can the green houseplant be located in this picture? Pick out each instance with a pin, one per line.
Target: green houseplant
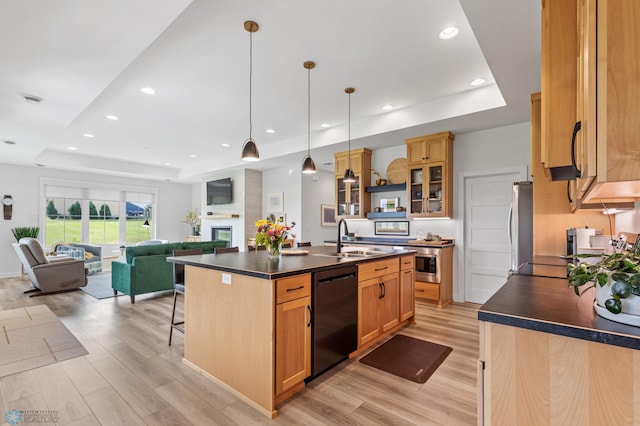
(25, 231)
(616, 278)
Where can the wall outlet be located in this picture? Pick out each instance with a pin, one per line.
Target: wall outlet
(226, 279)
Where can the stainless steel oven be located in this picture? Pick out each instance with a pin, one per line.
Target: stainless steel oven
(428, 264)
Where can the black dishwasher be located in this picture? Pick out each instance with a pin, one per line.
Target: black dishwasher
(335, 317)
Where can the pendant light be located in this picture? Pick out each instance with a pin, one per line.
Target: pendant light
(349, 176)
(250, 150)
(308, 166)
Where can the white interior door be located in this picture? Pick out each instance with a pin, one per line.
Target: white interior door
(486, 244)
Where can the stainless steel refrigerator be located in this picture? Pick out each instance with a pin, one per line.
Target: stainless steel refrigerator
(521, 224)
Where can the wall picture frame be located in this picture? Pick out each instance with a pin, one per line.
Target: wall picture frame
(389, 204)
(281, 218)
(400, 227)
(275, 202)
(328, 215)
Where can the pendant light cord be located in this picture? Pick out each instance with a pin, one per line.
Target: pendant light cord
(349, 161)
(308, 112)
(250, 79)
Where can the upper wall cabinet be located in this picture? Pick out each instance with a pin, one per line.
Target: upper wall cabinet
(558, 80)
(608, 101)
(352, 200)
(430, 175)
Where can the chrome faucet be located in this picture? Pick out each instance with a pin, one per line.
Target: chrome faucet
(346, 232)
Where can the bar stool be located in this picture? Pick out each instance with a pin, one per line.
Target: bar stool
(226, 250)
(179, 288)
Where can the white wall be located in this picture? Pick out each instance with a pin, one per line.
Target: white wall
(287, 181)
(317, 189)
(22, 183)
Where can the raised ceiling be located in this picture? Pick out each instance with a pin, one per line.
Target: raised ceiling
(90, 59)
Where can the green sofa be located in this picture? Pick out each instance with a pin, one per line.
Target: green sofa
(146, 268)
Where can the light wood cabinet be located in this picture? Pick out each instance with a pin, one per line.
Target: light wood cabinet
(430, 175)
(407, 287)
(609, 100)
(427, 149)
(554, 202)
(293, 332)
(558, 82)
(535, 378)
(378, 299)
(352, 200)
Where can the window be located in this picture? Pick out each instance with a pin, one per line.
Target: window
(96, 213)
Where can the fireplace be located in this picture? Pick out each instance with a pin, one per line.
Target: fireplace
(221, 233)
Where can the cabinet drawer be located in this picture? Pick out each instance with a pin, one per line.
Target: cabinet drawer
(376, 269)
(293, 288)
(407, 262)
(429, 291)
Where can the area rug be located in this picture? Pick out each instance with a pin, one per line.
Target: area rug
(99, 286)
(34, 337)
(409, 358)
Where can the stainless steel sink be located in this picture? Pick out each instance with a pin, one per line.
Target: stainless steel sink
(355, 254)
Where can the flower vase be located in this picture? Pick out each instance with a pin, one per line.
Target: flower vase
(274, 250)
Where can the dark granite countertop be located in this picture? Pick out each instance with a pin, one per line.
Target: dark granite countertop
(389, 241)
(256, 263)
(548, 305)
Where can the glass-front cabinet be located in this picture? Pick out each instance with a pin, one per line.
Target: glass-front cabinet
(352, 201)
(429, 188)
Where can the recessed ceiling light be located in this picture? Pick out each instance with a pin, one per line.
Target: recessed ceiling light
(111, 117)
(166, 163)
(32, 99)
(270, 131)
(387, 107)
(71, 148)
(9, 142)
(325, 125)
(148, 91)
(192, 155)
(226, 145)
(39, 165)
(477, 81)
(89, 135)
(328, 163)
(449, 32)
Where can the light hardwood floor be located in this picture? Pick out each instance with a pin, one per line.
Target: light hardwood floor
(131, 375)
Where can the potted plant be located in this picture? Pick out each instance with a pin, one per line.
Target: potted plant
(193, 219)
(25, 231)
(616, 278)
(379, 179)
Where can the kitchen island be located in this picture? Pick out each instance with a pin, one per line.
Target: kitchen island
(248, 319)
(546, 357)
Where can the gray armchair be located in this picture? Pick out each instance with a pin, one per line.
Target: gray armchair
(49, 275)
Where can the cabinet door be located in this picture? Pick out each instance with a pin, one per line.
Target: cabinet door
(415, 190)
(425, 150)
(558, 82)
(407, 293)
(585, 140)
(389, 302)
(293, 343)
(436, 189)
(369, 294)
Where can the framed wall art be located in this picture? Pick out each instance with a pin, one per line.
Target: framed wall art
(275, 202)
(327, 215)
(389, 204)
(392, 228)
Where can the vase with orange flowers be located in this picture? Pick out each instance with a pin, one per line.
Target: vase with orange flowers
(272, 236)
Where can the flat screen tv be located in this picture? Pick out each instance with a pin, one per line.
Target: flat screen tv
(219, 191)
